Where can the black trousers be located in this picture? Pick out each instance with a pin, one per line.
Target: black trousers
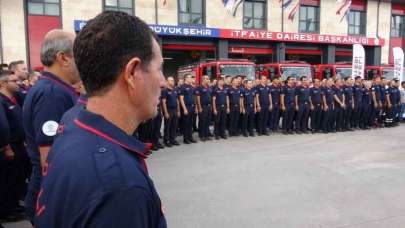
(357, 115)
(348, 114)
(170, 128)
(263, 119)
(338, 117)
(188, 124)
(234, 120)
(204, 120)
(301, 122)
(288, 118)
(275, 118)
(220, 121)
(316, 117)
(248, 121)
(328, 123)
(156, 125)
(365, 118)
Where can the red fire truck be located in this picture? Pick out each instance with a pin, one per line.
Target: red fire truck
(339, 70)
(386, 71)
(217, 68)
(285, 69)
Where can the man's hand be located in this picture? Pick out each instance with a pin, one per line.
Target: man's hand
(326, 108)
(283, 108)
(297, 108)
(9, 153)
(185, 112)
(215, 112)
(271, 108)
(167, 116)
(228, 110)
(312, 107)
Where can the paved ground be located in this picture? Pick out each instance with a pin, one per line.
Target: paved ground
(344, 180)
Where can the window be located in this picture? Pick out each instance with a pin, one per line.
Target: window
(357, 23)
(397, 26)
(119, 5)
(254, 14)
(44, 7)
(309, 19)
(191, 12)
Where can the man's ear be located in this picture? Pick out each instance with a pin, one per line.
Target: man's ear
(132, 71)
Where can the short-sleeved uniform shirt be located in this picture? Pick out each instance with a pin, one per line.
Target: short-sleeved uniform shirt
(234, 96)
(188, 93)
(289, 96)
(263, 92)
(339, 93)
(220, 96)
(367, 97)
(329, 93)
(358, 95)
(13, 113)
(348, 92)
(205, 95)
(171, 96)
(249, 99)
(97, 177)
(303, 95)
(275, 92)
(316, 96)
(44, 106)
(72, 113)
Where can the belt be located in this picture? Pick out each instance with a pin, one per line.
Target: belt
(206, 105)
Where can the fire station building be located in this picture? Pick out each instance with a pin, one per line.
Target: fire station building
(314, 31)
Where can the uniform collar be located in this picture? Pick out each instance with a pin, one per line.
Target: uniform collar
(97, 125)
(82, 99)
(57, 80)
(11, 100)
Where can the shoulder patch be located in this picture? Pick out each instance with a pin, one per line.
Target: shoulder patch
(50, 128)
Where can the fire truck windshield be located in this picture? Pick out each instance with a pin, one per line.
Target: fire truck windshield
(342, 73)
(235, 69)
(388, 74)
(295, 71)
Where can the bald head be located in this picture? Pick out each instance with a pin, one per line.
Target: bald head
(56, 41)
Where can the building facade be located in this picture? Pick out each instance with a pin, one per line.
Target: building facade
(194, 30)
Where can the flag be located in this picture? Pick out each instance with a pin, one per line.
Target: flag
(164, 2)
(294, 10)
(232, 5)
(344, 9)
(285, 3)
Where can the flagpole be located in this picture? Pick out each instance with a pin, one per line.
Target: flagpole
(282, 18)
(156, 12)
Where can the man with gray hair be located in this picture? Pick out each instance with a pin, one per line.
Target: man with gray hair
(45, 104)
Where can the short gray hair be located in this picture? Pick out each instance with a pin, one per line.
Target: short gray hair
(51, 46)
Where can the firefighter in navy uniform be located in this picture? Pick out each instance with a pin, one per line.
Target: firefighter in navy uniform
(220, 108)
(15, 168)
(287, 105)
(114, 188)
(366, 120)
(275, 91)
(156, 126)
(249, 109)
(349, 103)
(315, 94)
(328, 107)
(377, 103)
(303, 106)
(45, 104)
(358, 91)
(264, 105)
(204, 108)
(187, 103)
(171, 110)
(338, 116)
(235, 106)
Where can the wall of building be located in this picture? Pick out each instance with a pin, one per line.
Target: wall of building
(13, 30)
(221, 18)
(384, 28)
(78, 10)
(330, 22)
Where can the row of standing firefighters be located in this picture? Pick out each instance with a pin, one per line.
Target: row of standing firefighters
(245, 107)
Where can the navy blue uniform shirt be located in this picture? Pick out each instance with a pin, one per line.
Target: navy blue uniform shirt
(329, 93)
(72, 113)
(234, 96)
(205, 95)
(367, 97)
(275, 92)
(289, 95)
(171, 96)
(348, 92)
(249, 95)
(220, 96)
(13, 113)
(263, 92)
(358, 94)
(188, 92)
(97, 177)
(4, 128)
(376, 89)
(44, 106)
(339, 93)
(303, 94)
(316, 95)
